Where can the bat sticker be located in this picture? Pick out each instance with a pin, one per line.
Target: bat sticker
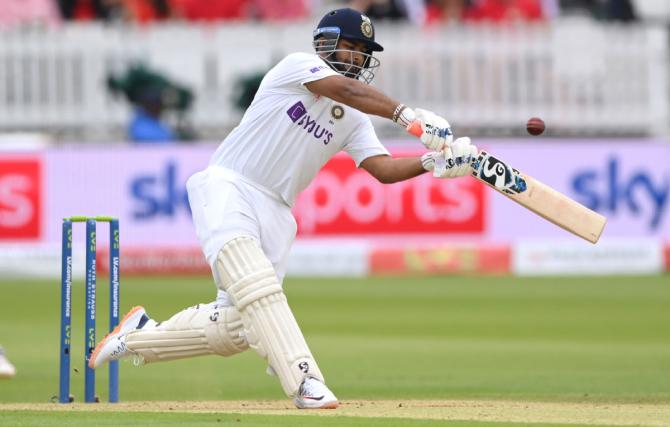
(498, 174)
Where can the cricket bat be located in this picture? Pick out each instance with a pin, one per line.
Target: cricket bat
(532, 194)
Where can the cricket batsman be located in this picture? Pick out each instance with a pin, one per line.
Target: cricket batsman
(309, 107)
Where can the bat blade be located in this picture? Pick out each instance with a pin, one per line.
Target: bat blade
(539, 197)
(532, 194)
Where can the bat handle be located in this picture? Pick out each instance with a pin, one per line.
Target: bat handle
(415, 129)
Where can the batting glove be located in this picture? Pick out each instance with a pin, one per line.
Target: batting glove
(436, 130)
(428, 160)
(455, 161)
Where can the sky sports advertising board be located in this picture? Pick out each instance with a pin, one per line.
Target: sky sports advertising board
(145, 187)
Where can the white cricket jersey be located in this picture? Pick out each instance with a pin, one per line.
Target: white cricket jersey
(288, 133)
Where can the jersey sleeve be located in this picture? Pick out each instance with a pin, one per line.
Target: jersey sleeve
(297, 69)
(363, 142)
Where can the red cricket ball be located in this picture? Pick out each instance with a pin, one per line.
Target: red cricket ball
(535, 126)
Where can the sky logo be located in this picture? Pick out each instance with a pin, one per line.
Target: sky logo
(159, 194)
(611, 191)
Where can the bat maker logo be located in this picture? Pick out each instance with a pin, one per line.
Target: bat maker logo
(498, 174)
(298, 115)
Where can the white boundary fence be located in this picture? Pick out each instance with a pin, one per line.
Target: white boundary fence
(581, 77)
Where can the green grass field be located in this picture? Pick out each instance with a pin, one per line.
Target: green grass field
(600, 341)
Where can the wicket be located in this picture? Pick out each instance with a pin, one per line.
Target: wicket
(66, 305)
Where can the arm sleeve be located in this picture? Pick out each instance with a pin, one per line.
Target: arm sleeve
(297, 69)
(363, 142)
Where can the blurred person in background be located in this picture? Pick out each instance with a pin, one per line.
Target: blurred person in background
(281, 10)
(612, 10)
(140, 11)
(395, 10)
(263, 10)
(246, 87)
(380, 9)
(504, 10)
(620, 10)
(82, 10)
(145, 124)
(7, 370)
(211, 10)
(17, 13)
(151, 95)
(442, 11)
(309, 107)
(145, 11)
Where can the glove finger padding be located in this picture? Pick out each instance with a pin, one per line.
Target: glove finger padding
(472, 154)
(449, 163)
(436, 130)
(463, 152)
(463, 169)
(457, 159)
(458, 148)
(425, 117)
(428, 160)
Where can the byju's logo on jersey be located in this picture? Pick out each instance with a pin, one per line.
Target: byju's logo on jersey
(298, 115)
(296, 111)
(317, 69)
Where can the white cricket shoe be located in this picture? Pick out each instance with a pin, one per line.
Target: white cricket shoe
(313, 394)
(7, 370)
(113, 346)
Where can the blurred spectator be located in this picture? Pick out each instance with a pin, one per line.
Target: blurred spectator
(505, 10)
(281, 10)
(579, 7)
(615, 10)
(82, 10)
(144, 11)
(141, 11)
(380, 9)
(246, 87)
(151, 95)
(145, 124)
(210, 10)
(413, 10)
(445, 10)
(619, 10)
(14, 13)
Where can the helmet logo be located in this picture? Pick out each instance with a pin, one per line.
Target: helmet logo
(366, 27)
(337, 112)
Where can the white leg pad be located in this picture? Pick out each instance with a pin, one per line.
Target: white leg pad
(248, 277)
(195, 331)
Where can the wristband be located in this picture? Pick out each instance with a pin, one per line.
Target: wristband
(403, 115)
(428, 161)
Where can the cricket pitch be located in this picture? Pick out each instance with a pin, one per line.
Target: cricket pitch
(618, 414)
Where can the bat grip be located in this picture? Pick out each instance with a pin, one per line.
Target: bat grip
(415, 129)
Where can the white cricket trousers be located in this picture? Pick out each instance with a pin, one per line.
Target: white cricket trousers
(226, 205)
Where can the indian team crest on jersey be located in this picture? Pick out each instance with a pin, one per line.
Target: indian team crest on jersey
(366, 26)
(337, 112)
